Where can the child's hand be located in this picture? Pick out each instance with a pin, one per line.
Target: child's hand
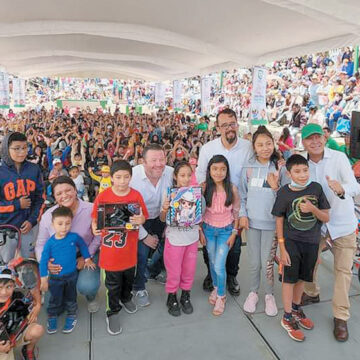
(202, 239)
(89, 264)
(5, 347)
(285, 258)
(32, 317)
(306, 206)
(244, 223)
(138, 219)
(80, 262)
(166, 204)
(95, 230)
(273, 180)
(25, 227)
(231, 240)
(25, 202)
(44, 284)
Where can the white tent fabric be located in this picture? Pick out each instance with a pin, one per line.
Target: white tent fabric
(166, 39)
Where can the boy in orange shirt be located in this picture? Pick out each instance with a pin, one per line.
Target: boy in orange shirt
(118, 251)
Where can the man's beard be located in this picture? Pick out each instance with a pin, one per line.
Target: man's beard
(230, 140)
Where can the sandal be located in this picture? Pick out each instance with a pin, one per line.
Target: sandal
(219, 307)
(213, 296)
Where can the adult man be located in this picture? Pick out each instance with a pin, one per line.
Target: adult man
(151, 179)
(332, 170)
(237, 151)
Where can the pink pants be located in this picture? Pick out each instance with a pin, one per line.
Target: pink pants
(180, 264)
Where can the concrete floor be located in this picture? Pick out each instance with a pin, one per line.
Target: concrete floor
(152, 333)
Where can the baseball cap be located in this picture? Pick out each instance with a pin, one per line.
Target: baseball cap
(311, 129)
(7, 273)
(56, 161)
(105, 169)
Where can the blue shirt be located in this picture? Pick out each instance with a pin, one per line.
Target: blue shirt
(63, 251)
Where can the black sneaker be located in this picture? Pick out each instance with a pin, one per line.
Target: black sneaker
(173, 305)
(233, 286)
(185, 302)
(208, 284)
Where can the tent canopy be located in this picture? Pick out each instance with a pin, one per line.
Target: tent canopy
(166, 39)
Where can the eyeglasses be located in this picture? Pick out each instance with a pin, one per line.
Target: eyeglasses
(19, 149)
(232, 125)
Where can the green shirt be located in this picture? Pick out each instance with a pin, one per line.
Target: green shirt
(346, 151)
(202, 126)
(332, 144)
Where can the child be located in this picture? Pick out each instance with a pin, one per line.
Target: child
(21, 190)
(180, 253)
(220, 225)
(300, 209)
(34, 331)
(62, 248)
(258, 186)
(57, 170)
(78, 179)
(118, 252)
(104, 180)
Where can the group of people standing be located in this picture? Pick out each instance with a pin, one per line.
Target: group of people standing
(246, 186)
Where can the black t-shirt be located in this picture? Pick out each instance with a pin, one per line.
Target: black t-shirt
(299, 226)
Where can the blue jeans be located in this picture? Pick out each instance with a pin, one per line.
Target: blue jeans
(218, 249)
(154, 227)
(88, 282)
(140, 277)
(62, 294)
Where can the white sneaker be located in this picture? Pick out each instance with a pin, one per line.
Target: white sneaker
(270, 305)
(250, 302)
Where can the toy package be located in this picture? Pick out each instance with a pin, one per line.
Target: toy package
(185, 207)
(116, 216)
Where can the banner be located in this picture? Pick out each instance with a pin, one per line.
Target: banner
(205, 96)
(177, 94)
(160, 94)
(19, 92)
(4, 91)
(258, 97)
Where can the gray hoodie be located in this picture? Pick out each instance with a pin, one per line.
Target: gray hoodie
(257, 197)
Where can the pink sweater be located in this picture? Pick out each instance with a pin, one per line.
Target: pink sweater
(218, 215)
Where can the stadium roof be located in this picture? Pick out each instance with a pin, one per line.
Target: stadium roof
(166, 39)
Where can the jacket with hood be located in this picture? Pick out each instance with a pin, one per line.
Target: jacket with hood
(14, 185)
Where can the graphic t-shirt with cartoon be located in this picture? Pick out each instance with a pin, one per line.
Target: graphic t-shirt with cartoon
(299, 226)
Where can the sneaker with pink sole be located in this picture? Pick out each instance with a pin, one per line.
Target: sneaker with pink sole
(251, 302)
(270, 305)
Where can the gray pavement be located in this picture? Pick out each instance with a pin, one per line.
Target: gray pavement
(152, 333)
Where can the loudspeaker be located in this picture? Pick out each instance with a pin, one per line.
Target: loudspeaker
(355, 135)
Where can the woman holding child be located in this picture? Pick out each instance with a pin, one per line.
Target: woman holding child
(65, 194)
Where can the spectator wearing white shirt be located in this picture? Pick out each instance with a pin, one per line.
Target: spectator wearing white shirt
(151, 179)
(332, 170)
(237, 151)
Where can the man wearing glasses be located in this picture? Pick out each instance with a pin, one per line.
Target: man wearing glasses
(237, 152)
(21, 191)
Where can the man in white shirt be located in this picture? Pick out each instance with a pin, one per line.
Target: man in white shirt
(237, 152)
(332, 170)
(151, 179)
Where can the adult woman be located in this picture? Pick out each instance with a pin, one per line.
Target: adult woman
(65, 194)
